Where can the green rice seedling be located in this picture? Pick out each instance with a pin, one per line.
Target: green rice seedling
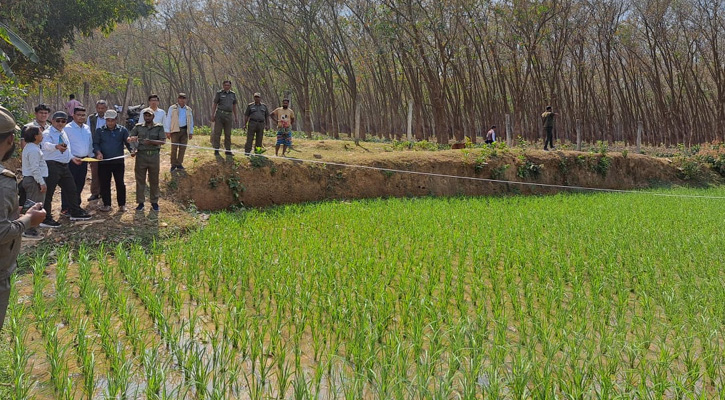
(56, 352)
(155, 373)
(62, 289)
(119, 378)
(88, 366)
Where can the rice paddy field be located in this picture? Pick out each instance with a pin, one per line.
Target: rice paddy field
(573, 296)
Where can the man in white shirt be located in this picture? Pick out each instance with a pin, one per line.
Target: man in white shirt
(57, 154)
(159, 114)
(81, 145)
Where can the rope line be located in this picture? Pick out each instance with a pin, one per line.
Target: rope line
(448, 176)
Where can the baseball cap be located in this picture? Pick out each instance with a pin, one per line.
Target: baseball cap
(7, 121)
(110, 114)
(257, 94)
(59, 114)
(147, 110)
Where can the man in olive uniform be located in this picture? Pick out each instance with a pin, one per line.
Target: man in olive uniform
(147, 137)
(224, 106)
(255, 117)
(12, 225)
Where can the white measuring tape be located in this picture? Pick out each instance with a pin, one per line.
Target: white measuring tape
(433, 174)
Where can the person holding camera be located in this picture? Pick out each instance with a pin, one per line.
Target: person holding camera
(12, 225)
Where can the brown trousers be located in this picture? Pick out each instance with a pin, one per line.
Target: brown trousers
(177, 152)
(147, 162)
(95, 183)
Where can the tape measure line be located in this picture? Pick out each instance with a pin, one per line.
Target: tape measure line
(447, 176)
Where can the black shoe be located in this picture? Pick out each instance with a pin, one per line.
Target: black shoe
(155, 206)
(139, 207)
(32, 234)
(49, 223)
(179, 167)
(80, 217)
(94, 197)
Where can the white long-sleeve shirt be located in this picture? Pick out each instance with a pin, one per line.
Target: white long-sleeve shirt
(159, 116)
(33, 163)
(81, 140)
(51, 138)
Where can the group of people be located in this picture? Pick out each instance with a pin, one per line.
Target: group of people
(58, 152)
(256, 115)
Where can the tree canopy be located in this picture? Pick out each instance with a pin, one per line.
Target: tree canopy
(47, 26)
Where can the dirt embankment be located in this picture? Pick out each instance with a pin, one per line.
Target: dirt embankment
(261, 182)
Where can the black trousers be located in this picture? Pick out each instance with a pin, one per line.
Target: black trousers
(59, 175)
(79, 173)
(4, 298)
(117, 170)
(549, 141)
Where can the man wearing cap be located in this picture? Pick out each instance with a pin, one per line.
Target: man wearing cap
(148, 136)
(255, 118)
(108, 143)
(12, 225)
(81, 143)
(58, 153)
(94, 122)
(223, 108)
(179, 127)
(284, 117)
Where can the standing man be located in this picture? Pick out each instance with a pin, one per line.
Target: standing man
(42, 112)
(94, 122)
(12, 225)
(255, 118)
(57, 154)
(491, 135)
(548, 118)
(159, 114)
(108, 143)
(72, 104)
(149, 137)
(284, 117)
(223, 107)
(81, 143)
(179, 127)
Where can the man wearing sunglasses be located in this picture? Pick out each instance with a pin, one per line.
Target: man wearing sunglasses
(57, 154)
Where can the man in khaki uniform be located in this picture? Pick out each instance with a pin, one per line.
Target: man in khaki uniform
(147, 137)
(179, 127)
(12, 225)
(284, 117)
(224, 106)
(255, 118)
